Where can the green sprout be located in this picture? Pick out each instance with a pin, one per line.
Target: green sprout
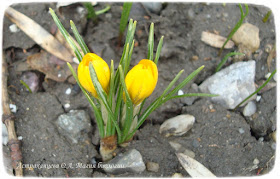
(124, 19)
(237, 25)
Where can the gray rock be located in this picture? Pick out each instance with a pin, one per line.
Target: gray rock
(130, 161)
(250, 109)
(233, 84)
(261, 126)
(74, 125)
(154, 7)
(177, 126)
(152, 166)
(31, 79)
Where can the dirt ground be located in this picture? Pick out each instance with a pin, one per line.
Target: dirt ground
(215, 137)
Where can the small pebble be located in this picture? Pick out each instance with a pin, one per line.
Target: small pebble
(93, 161)
(152, 166)
(13, 28)
(261, 139)
(68, 91)
(67, 105)
(256, 161)
(195, 143)
(180, 92)
(59, 75)
(75, 60)
(177, 175)
(273, 146)
(275, 77)
(250, 109)
(258, 98)
(267, 75)
(241, 130)
(13, 108)
(19, 137)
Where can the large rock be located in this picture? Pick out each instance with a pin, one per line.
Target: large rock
(74, 125)
(130, 161)
(247, 35)
(233, 84)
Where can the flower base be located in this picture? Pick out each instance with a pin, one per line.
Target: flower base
(107, 147)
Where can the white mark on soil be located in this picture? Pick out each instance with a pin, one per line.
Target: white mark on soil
(13, 108)
(180, 92)
(67, 105)
(13, 28)
(68, 91)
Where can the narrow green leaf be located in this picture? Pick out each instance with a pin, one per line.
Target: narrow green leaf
(124, 16)
(66, 36)
(128, 104)
(266, 16)
(261, 87)
(158, 50)
(102, 95)
(79, 39)
(151, 42)
(91, 12)
(25, 85)
(97, 112)
(185, 81)
(225, 59)
(189, 95)
(236, 27)
(102, 11)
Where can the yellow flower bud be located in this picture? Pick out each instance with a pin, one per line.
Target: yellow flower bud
(102, 71)
(141, 80)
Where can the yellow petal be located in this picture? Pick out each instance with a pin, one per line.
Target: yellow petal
(102, 71)
(141, 80)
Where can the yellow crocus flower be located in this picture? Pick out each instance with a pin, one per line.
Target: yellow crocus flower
(141, 80)
(102, 71)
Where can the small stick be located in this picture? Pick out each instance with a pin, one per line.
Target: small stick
(8, 120)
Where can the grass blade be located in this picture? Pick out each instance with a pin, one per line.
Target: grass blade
(266, 16)
(66, 36)
(236, 27)
(190, 95)
(124, 19)
(102, 96)
(151, 42)
(79, 39)
(102, 11)
(129, 107)
(185, 81)
(225, 59)
(158, 50)
(25, 85)
(91, 12)
(263, 85)
(97, 113)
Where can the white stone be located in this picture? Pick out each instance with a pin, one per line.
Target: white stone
(250, 109)
(13, 28)
(67, 105)
(13, 108)
(177, 126)
(258, 98)
(233, 84)
(267, 75)
(68, 91)
(180, 92)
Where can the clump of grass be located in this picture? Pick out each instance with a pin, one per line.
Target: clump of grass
(237, 25)
(225, 59)
(261, 87)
